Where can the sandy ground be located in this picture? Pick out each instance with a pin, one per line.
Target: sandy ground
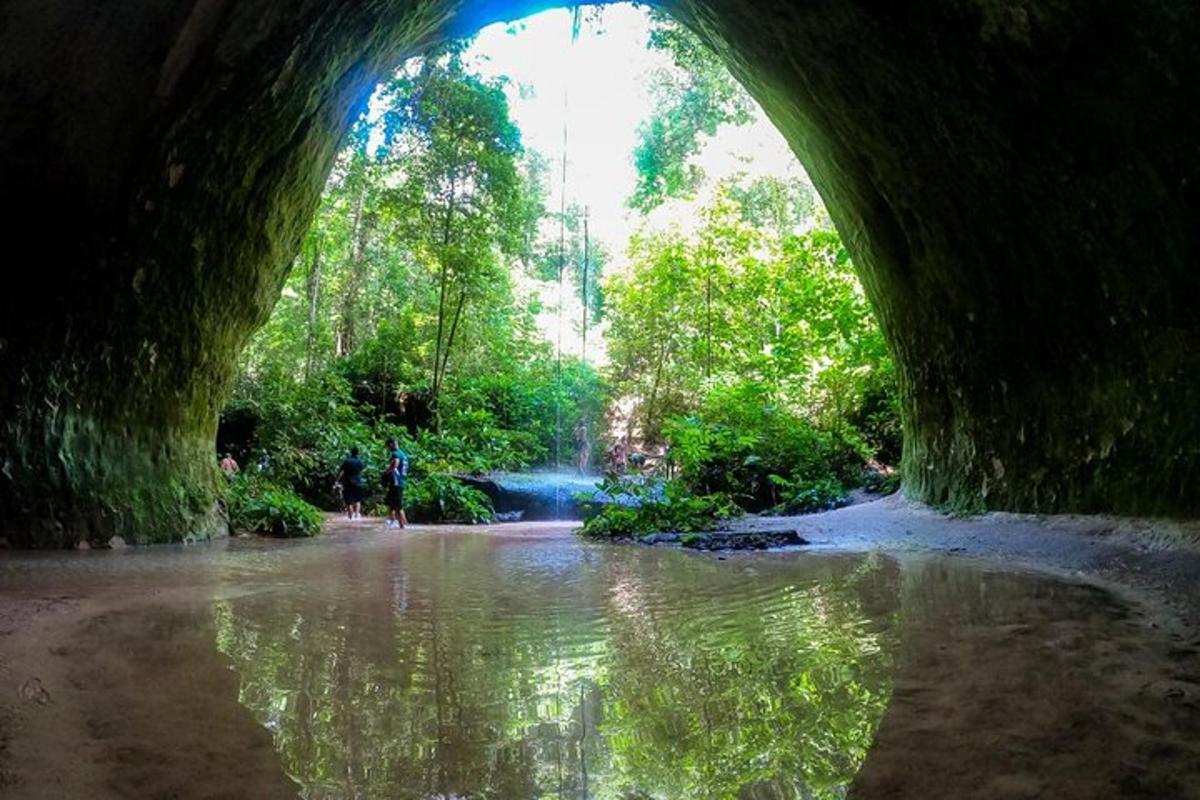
(73, 726)
(1153, 562)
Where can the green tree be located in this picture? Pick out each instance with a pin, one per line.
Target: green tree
(692, 100)
(401, 309)
(461, 200)
(749, 347)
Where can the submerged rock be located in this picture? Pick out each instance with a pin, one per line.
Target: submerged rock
(660, 538)
(728, 540)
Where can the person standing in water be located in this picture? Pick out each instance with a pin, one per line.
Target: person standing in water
(618, 457)
(395, 478)
(583, 445)
(350, 478)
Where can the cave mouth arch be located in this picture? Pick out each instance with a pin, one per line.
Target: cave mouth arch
(1017, 187)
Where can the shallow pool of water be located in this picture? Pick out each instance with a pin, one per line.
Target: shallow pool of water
(518, 662)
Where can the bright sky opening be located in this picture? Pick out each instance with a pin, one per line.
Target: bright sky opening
(598, 86)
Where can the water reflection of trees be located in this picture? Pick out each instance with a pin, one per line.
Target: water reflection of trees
(659, 677)
(768, 697)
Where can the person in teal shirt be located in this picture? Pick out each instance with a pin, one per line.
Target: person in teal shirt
(395, 478)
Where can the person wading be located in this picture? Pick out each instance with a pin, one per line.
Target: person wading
(350, 478)
(394, 479)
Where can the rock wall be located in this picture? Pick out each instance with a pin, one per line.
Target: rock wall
(1017, 183)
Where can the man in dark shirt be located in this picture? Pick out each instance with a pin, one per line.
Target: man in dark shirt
(350, 478)
(395, 480)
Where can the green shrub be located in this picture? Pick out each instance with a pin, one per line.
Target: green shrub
(742, 446)
(805, 497)
(880, 482)
(635, 508)
(306, 428)
(257, 506)
(444, 498)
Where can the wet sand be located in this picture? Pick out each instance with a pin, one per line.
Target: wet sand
(98, 703)
(1153, 563)
(1085, 684)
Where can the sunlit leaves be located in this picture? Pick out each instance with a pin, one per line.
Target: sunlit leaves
(691, 101)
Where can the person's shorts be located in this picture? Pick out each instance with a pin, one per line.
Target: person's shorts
(395, 497)
(352, 493)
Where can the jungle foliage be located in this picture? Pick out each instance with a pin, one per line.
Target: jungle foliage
(749, 352)
(636, 508)
(742, 350)
(692, 101)
(402, 315)
(442, 498)
(745, 345)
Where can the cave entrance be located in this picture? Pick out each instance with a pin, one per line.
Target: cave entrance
(1037, 284)
(502, 197)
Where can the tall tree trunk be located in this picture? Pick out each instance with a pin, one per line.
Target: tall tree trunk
(462, 299)
(664, 352)
(350, 296)
(708, 324)
(584, 291)
(443, 279)
(313, 296)
(441, 322)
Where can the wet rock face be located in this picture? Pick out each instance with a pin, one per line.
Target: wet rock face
(1017, 184)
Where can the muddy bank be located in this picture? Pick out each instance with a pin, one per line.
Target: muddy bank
(1158, 560)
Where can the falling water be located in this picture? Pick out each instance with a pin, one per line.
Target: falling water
(541, 495)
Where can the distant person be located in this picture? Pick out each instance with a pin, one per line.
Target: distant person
(395, 478)
(350, 479)
(264, 462)
(618, 457)
(229, 466)
(583, 445)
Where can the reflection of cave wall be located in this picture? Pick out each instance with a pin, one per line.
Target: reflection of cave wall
(1016, 183)
(995, 669)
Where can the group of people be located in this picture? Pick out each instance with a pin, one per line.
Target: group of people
(352, 484)
(230, 467)
(621, 457)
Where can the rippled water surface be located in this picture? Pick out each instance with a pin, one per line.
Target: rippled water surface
(519, 662)
(471, 666)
